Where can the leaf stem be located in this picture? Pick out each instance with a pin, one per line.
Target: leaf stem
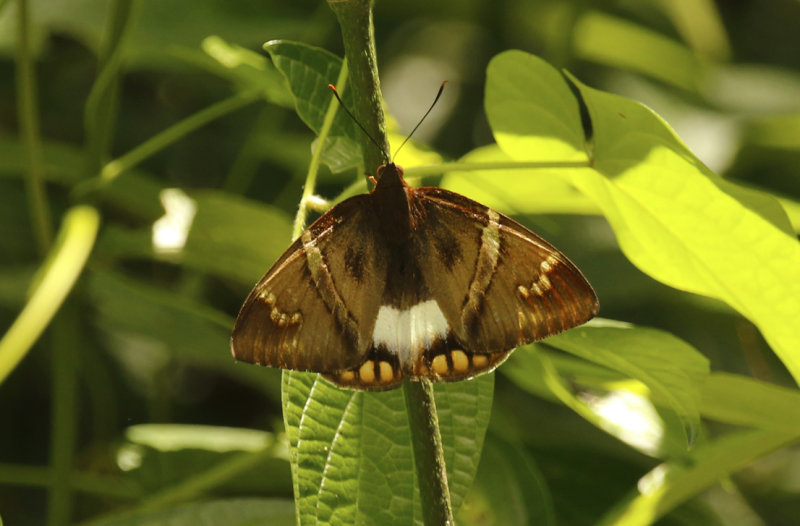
(313, 167)
(100, 111)
(176, 131)
(355, 19)
(64, 341)
(358, 36)
(28, 115)
(435, 169)
(426, 442)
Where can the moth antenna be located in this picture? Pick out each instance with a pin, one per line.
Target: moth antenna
(371, 138)
(439, 94)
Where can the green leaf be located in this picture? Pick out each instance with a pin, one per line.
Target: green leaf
(673, 218)
(623, 44)
(192, 460)
(519, 192)
(351, 451)
(247, 69)
(748, 402)
(63, 163)
(526, 105)
(671, 369)
(309, 70)
(228, 236)
(148, 322)
(509, 489)
(231, 512)
(670, 484)
(235, 237)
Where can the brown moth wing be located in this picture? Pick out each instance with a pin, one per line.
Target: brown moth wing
(517, 288)
(299, 316)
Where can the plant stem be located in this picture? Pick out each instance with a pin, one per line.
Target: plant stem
(358, 35)
(177, 131)
(64, 342)
(436, 169)
(100, 112)
(355, 19)
(428, 455)
(313, 167)
(28, 115)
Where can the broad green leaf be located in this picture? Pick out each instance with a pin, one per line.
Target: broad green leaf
(700, 24)
(149, 324)
(228, 236)
(308, 71)
(673, 218)
(235, 237)
(670, 368)
(612, 41)
(171, 458)
(538, 191)
(748, 402)
(670, 484)
(526, 109)
(509, 489)
(158, 29)
(62, 163)
(230, 512)
(351, 451)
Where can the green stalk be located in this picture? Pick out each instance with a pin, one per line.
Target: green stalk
(198, 484)
(65, 344)
(358, 35)
(316, 158)
(426, 441)
(28, 115)
(355, 19)
(177, 131)
(100, 113)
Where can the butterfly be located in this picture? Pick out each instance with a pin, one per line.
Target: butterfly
(409, 283)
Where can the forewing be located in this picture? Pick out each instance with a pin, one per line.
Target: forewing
(510, 286)
(315, 308)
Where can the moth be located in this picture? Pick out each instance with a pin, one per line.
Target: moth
(409, 283)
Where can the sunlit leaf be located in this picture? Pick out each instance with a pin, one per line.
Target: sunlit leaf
(671, 369)
(537, 191)
(673, 218)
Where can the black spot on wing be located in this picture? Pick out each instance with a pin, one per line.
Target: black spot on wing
(448, 249)
(354, 263)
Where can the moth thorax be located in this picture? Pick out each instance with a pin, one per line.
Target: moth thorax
(392, 207)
